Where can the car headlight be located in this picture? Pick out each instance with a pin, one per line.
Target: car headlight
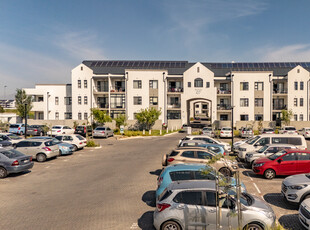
(297, 187)
(65, 148)
(270, 215)
(259, 165)
(242, 149)
(249, 155)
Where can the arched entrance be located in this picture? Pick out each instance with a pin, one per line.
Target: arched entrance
(199, 107)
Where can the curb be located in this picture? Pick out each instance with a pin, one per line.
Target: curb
(141, 137)
(99, 147)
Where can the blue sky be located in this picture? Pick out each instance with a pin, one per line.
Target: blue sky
(42, 41)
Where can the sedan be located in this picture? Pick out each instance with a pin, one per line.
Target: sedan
(64, 148)
(13, 161)
(103, 132)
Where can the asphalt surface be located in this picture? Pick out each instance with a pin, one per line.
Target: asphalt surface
(108, 188)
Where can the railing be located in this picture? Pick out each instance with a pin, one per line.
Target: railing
(223, 107)
(173, 106)
(103, 105)
(279, 107)
(100, 89)
(117, 90)
(282, 91)
(175, 89)
(223, 91)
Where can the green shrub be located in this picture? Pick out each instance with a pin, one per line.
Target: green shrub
(256, 132)
(91, 143)
(236, 133)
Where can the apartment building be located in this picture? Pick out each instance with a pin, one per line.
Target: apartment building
(182, 90)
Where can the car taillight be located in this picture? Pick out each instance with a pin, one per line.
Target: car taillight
(160, 179)
(30, 158)
(35, 130)
(15, 163)
(242, 132)
(170, 159)
(307, 133)
(58, 131)
(273, 132)
(84, 129)
(102, 132)
(81, 143)
(85, 142)
(224, 153)
(46, 149)
(162, 207)
(222, 132)
(19, 128)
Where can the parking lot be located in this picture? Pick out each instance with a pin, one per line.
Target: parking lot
(108, 188)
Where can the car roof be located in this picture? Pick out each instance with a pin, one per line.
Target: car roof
(204, 136)
(177, 167)
(33, 140)
(192, 185)
(298, 151)
(226, 127)
(278, 135)
(194, 148)
(193, 141)
(280, 145)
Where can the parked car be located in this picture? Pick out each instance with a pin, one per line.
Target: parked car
(64, 148)
(296, 188)
(76, 140)
(217, 148)
(11, 138)
(13, 161)
(264, 139)
(5, 143)
(304, 213)
(83, 130)
(61, 129)
(103, 131)
(305, 132)
(266, 151)
(267, 131)
(288, 162)
(208, 140)
(197, 124)
(17, 128)
(192, 205)
(38, 149)
(199, 155)
(246, 132)
(37, 130)
(191, 143)
(180, 172)
(208, 131)
(288, 130)
(226, 132)
(184, 128)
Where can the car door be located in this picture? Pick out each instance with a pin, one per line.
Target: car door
(34, 148)
(191, 204)
(303, 163)
(210, 204)
(203, 157)
(286, 165)
(23, 146)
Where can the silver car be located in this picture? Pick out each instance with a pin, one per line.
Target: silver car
(208, 131)
(192, 205)
(296, 188)
(103, 131)
(38, 149)
(304, 213)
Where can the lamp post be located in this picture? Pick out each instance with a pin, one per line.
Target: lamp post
(232, 112)
(26, 113)
(47, 113)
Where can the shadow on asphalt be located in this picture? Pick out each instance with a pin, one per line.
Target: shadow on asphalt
(278, 200)
(150, 198)
(156, 172)
(19, 174)
(250, 173)
(290, 222)
(145, 222)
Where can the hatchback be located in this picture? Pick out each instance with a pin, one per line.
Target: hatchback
(11, 137)
(193, 205)
(208, 131)
(288, 130)
(103, 131)
(61, 129)
(305, 132)
(76, 140)
(17, 128)
(246, 132)
(37, 130)
(226, 132)
(268, 131)
(83, 130)
(13, 161)
(286, 162)
(64, 148)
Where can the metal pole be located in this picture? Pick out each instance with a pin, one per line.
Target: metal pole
(232, 129)
(26, 120)
(238, 200)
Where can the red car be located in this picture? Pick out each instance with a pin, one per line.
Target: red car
(285, 162)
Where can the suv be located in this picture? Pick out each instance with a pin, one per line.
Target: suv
(193, 204)
(304, 216)
(83, 130)
(199, 155)
(37, 130)
(38, 149)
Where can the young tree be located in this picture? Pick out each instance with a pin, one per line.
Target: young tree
(101, 116)
(147, 117)
(286, 116)
(1, 109)
(21, 99)
(120, 120)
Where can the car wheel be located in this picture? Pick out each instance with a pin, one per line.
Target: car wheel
(269, 174)
(3, 172)
(226, 172)
(170, 225)
(253, 226)
(306, 197)
(75, 148)
(41, 157)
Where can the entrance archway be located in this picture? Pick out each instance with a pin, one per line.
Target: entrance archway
(205, 108)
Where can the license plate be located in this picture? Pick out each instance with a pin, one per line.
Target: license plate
(26, 161)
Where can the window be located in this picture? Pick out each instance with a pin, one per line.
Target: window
(191, 198)
(259, 102)
(263, 141)
(295, 102)
(289, 157)
(244, 86)
(137, 84)
(285, 140)
(204, 155)
(79, 100)
(85, 84)
(68, 115)
(259, 117)
(81, 68)
(153, 84)
(244, 102)
(208, 84)
(296, 85)
(301, 117)
(301, 102)
(223, 117)
(117, 102)
(189, 154)
(85, 116)
(85, 100)
(79, 83)
(137, 100)
(56, 116)
(173, 114)
(56, 100)
(244, 117)
(79, 116)
(197, 106)
(298, 70)
(303, 156)
(198, 82)
(259, 86)
(189, 84)
(301, 87)
(68, 100)
(211, 199)
(180, 175)
(153, 100)
(295, 117)
(197, 69)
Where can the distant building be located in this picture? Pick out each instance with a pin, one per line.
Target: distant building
(7, 104)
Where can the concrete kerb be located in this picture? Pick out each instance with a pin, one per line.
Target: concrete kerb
(89, 148)
(121, 138)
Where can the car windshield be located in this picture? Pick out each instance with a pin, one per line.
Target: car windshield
(262, 149)
(12, 153)
(290, 128)
(13, 136)
(276, 155)
(252, 140)
(56, 127)
(245, 198)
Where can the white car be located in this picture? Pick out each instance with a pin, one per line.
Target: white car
(76, 140)
(208, 131)
(288, 130)
(208, 140)
(226, 132)
(61, 129)
(305, 132)
(304, 213)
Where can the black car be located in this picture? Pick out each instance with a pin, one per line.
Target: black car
(4, 143)
(83, 129)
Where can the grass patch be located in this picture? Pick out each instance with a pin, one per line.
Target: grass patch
(130, 133)
(91, 143)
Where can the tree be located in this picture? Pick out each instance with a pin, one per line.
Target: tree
(286, 116)
(1, 109)
(101, 116)
(147, 117)
(120, 120)
(21, 99)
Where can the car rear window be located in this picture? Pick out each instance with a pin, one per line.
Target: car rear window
(56, 127)
(174, 153)
(80, 137)
(14, 126)
(290, 128)
(49, 143)
(228, 129)
(100, 128)
(35, 126)
(180, 175)
(80, 128)
(164, 195)
(12, 153)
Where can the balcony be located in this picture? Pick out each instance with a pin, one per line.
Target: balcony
(223, 107)
(174, 106)
(220, 91)
(117, 90)
(175, 90)
(279, 107)
(280, 91)
(103, 105)
(98, 89)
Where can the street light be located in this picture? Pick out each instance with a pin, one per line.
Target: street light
(26, 113)
(47, 113)
(232, 112)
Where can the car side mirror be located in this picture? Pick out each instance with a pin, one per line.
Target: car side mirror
(280, 160)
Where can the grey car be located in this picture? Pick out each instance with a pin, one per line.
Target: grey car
(13, 161)
(103, 131)
(192, 205)
(37, 130)
(208, 131)
(38, 149)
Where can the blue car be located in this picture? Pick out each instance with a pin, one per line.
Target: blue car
(219, 149)
(179, 172)
(64, 148)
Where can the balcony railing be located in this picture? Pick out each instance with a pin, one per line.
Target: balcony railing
(103, 105)
(174, 106)
(223, 107)
(175, 89)
(117, 90)
(100, 89)
(220, 91)
(280, 91)
(279, 107)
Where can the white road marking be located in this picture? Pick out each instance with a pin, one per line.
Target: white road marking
(257, 188)
(47, 167)
(65, 160)
(134, 226)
